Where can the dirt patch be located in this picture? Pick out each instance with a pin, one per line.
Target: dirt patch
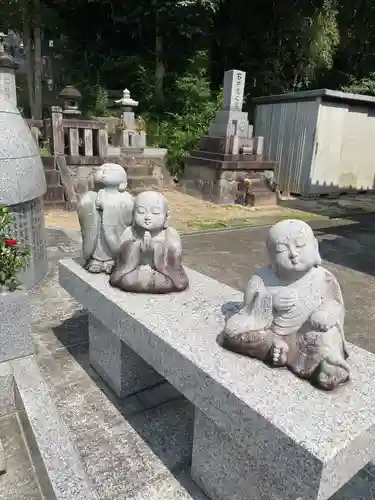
(191, 214)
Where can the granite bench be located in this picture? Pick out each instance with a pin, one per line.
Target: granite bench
(259, 432)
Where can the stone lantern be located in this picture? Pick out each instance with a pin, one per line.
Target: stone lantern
(131, 138)
(8, 67)
(72, 98)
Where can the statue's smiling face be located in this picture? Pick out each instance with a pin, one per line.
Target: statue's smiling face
(293, 246)
(150, 211)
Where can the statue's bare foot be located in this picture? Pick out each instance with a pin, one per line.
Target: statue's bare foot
(109, 266)
(279, 352)
(330, 375)
(94, 266)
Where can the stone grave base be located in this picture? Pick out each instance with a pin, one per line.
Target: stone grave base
(211, 173)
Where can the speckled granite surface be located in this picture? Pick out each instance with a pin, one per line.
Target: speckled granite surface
(159, 416)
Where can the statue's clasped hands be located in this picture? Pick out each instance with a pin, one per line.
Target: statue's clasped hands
(146, 242)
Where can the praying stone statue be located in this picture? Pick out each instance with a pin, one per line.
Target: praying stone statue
(150, 257)
(293, 311)
(104, 216)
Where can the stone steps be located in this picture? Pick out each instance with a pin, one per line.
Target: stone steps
(55, 195)
(55, 459)
(19, 481)
(112, 436)
(141, 183)
(140, 178)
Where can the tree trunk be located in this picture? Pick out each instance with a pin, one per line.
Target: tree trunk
(37, 73)
(27, 42)
(159, 65)
(37, 33)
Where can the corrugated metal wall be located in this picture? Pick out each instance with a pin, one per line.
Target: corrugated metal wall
(288, 129)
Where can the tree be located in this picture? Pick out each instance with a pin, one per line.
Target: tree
(29, 18)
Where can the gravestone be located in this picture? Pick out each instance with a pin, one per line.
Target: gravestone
(231, 120)
(234, 89)
(229, 155)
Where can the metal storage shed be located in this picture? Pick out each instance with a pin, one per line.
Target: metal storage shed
(323, 139)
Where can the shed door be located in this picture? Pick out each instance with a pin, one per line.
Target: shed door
(328, 147)
(343, 153)
(357, 158)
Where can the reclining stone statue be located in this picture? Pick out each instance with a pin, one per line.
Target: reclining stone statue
(293, 311)
(103, 217)
(150, 257)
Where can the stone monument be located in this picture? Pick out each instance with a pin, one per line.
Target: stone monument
(150, 257)
(130, 137)
(229, 154)
(293, 311)
(231, 121)
(22, 179)
(103, 217)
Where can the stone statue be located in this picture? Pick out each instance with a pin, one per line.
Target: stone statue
(293, 311)
(150, 259)
(103, 216)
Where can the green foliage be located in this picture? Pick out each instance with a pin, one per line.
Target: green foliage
(362, 86)
(194, 106)
(43, 151)
(95, 100)
(149, 47)
(325, 38)
(13, 255)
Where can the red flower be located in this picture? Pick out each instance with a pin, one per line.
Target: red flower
(10, 242)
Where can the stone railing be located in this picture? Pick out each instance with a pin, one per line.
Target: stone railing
(77, 137)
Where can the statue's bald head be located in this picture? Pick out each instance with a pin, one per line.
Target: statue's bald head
(151, 210)
(111, 174)
(292, 246)
(152, 198)
(287, 229)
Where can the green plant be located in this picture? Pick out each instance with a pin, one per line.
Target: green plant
(363, 86)
(193, 105)
(44, 151)
(13, 254)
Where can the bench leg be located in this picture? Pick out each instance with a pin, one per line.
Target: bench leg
(118, 365)
(225, 470)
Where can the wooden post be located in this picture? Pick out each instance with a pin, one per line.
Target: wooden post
(73, 142)
(103, 142)
(89, 150)
(57, 131)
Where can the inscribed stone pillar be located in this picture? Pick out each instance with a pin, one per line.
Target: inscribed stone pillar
(234, 88)
(22, 187)
(231, 120)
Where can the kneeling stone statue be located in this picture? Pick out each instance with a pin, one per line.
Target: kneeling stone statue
(150, 257)
(293, 311)
(103, 217)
